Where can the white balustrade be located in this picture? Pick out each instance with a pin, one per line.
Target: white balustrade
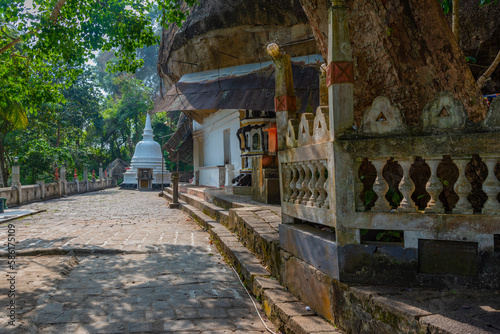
(313, 199)
(434, 187)
(298, 185)
(491, 187)
(407, 187)
(321, 185)
(358, 187)
(305, 183)
(462, 187)
(380, 187)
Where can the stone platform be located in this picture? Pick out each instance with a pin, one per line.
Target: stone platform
(11, 214)
(247, 233)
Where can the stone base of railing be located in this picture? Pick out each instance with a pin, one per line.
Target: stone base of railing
(44, 191)
(426, 260)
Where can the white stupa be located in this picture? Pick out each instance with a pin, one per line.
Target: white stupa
(145, 172)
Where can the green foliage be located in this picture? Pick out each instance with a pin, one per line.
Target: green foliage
(448, 5)
(50, 108)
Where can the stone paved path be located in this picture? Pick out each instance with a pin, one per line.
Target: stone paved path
(134, 266)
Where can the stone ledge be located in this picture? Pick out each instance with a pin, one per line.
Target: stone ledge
(284, 309)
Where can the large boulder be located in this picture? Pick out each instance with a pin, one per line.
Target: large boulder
(225, 33)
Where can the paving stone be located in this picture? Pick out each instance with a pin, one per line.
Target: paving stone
(167, 282)
(176, 326)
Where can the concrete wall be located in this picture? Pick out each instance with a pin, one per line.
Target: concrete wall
(209, 145)
(43, 191)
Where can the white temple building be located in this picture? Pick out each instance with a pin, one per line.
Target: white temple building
(147, 166)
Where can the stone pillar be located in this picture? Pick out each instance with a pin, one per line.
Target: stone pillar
(340, 82)
(41, 184)
(175, 191)
(75, 179)
(285, 101)
(16, 180)
(86, 178)
(229, 178)
(340, 74)
(63, 183)
(100, 172)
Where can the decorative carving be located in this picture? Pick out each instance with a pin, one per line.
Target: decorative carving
(298, 185)
(380, 187)
(320, 185)
(326, 186)
(295, 177)
(321, 122)
(358, 187)
(444, 112)
(382, 118)
(305, 184)
(313, 200)
(407, 187)
(492, 120)
(291, 133)
(462, 187)
(305, 129)
(339, 72)
(491, 187)
(285, 103)
(434, 187)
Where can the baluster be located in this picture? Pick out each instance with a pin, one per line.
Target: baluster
(462, 188)
(407, 187)
(298, 185)
(434, 187)
(380, 187)
(293, 196)
(358, 187)
(320, 185)
(287, 180)
(312, 185)
(326, 186)
(491, 187)
(305, 184)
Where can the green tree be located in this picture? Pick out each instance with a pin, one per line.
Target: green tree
(42, 49)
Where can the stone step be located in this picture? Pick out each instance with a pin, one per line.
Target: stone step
(281, 307)
(219, 214)
(257, 227)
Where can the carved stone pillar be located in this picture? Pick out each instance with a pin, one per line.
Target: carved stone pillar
(284, 100)
(434, 187)
(491, 187)
(339, 75)
(380, 187)
(358, 187)
(407, 187)
(462, 188)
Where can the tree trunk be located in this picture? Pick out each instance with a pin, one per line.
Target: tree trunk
(403, 50)
(4, 171)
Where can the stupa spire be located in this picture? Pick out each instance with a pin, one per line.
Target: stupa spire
(147, 135)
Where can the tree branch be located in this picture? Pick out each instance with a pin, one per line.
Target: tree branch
(489, 71)
(11, 44)
(455, 25)
(56, 11)
(53, 18)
